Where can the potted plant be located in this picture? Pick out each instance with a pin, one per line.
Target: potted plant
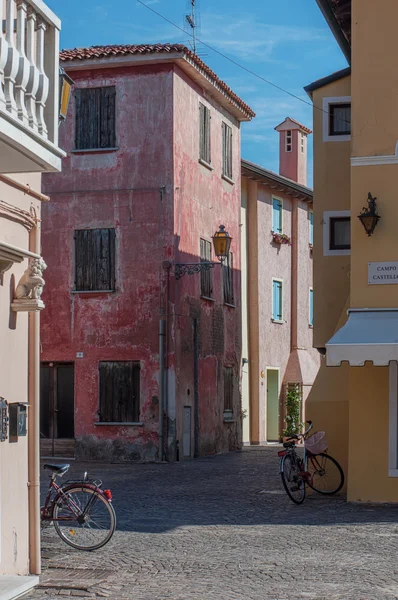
(281, 238)
(293, 410)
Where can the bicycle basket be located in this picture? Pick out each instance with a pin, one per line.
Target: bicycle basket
(317, 443)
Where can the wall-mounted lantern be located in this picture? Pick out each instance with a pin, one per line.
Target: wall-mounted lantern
(221, 244)
(369, 217)
(65, 89)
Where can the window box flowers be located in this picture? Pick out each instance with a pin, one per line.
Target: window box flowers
(281, 238)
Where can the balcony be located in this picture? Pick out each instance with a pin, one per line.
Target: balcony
(29, 87)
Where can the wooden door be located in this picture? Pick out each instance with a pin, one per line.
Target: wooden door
(57, 407)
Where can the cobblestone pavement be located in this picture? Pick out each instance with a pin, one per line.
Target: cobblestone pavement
(222, 528)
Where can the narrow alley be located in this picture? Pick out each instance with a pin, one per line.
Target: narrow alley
(223, 528)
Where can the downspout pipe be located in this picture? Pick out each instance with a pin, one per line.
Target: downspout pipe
(162, 386)
(34, 424)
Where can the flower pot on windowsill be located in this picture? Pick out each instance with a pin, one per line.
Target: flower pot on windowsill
(281, 238)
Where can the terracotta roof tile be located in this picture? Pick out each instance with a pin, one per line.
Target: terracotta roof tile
(95, 52)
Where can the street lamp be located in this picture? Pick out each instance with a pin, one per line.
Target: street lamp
(65, 89)
(369, 217)
(221, 244)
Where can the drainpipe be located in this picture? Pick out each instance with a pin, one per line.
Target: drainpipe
(294, 277)
(196, 387)
(162, 336)
(34, 424)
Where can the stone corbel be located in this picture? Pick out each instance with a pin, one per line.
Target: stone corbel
(30, 287)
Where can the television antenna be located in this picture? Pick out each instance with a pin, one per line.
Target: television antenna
(191, 20)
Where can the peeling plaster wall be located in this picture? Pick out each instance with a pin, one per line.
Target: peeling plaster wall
(203, 201)
(158, 146)
(120, 325)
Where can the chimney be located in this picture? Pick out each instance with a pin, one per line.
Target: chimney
(293, 150)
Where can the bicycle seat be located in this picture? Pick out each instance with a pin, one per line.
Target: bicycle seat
(58, 469)
(288, 444)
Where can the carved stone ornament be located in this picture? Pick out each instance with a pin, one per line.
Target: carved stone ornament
(30, 288)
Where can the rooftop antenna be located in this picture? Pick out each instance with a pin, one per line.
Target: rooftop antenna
(191, 20)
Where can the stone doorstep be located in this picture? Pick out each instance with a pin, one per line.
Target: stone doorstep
(15, 586)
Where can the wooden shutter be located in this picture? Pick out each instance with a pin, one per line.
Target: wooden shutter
(311, 227)
(204, 133)
(95, 118)
(206, 287)
(228, 280)
(228, 388)
(277, 300)
(311, 308)
(276, 215)
(119, 387)
(95, 259)
(227, 150)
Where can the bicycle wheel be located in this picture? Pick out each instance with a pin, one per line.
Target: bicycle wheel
(291, 479)
(84, 519)
(327, 476)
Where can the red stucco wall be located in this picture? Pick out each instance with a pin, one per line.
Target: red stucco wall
(160, 201)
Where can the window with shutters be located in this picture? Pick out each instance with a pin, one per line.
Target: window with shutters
(311, 232)
(277, 305)
(95, 118)
(204, 134)
(119, 392)
(206, 282)
(95, 260)
(227, 151)
(228, 389)
(228, 279)
(276, 215)
(311, 307)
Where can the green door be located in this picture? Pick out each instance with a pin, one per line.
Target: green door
(272, 405)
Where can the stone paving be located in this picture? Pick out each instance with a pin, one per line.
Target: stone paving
(222, 528)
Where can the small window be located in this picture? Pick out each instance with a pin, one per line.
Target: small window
(204, 133)
(95, 118)
(311, 219)
(206, 283)
(340, 119)
(288, 141)
(311, 308)
(302, 144)
(276, 300)
(227, 151)
(340, 235)
(119, 392)
(276, 215)
(95, 260)
(228, 389)
(228, 279)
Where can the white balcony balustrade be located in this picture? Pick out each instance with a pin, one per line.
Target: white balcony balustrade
(29, 87)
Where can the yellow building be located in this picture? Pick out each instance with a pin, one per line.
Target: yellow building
(355, 397)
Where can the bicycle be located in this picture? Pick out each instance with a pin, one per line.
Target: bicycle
(316, 469)
(81, 511)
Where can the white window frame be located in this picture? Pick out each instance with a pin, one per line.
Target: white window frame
(272, 216)
(327, 216)
(288, 134)
(309, 307)
(393, 420)
(282, 293)
(302, 142)
(325, 118)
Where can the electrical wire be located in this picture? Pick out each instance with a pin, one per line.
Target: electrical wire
(234, 62)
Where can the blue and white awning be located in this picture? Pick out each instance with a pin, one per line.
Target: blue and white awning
(369, 335)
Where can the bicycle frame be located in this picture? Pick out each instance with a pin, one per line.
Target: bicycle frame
(55, 492)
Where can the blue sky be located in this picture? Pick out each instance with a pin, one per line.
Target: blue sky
(285, 41)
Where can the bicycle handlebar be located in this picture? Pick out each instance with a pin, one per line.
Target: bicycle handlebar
(301, 435)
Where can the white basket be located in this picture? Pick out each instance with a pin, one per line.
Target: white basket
(317, 443)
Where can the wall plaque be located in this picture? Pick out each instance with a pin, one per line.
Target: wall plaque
(382, 273)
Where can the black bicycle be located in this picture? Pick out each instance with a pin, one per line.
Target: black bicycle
(315, 468)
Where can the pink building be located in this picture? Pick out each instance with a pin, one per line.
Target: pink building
(152, 170)
(277, 295)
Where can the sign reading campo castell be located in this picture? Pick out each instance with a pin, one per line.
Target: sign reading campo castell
(382, 272)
